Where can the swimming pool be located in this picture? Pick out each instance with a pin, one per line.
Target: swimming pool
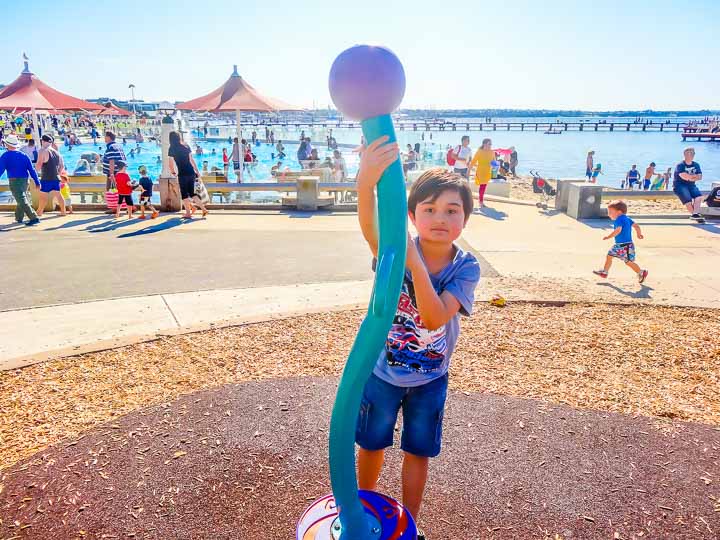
(212, 154)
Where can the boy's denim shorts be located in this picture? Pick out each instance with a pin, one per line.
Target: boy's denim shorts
(423, 407)
(686, 191)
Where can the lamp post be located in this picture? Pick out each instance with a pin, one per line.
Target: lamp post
(132, 92)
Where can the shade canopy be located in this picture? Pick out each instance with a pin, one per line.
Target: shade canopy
(28, 92)
(113, 110)
(236, 95)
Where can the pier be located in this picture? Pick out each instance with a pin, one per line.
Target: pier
(436, 125)
(700, 136)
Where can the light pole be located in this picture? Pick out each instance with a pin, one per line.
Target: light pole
(132, 92)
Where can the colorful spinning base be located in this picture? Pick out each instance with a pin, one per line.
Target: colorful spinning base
(388, 519)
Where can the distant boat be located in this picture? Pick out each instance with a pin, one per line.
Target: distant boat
(553, 132)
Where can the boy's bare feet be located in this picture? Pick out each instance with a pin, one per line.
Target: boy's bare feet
(142, 216)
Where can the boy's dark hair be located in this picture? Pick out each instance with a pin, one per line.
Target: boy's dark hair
(110, 135)
(433, 182)
(620, 206)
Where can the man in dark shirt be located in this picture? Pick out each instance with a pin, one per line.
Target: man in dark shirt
(687, 174)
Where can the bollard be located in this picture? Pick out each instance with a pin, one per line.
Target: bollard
(561, 197)
(307, 193)
(584, 201)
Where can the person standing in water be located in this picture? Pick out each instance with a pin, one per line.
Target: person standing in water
(235, 157)
(590, 165)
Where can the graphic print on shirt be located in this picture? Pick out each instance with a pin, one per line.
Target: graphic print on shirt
(409, 343)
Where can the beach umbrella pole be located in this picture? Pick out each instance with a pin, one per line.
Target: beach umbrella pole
(36, 128)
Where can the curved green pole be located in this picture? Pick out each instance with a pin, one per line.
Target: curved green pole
(389, 273)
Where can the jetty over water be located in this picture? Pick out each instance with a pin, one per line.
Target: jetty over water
(440, 125)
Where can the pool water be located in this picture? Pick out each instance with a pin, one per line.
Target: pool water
(212, 154)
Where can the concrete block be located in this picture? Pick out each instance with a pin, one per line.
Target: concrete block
(561, 197)
(584, 201)
(307, 193)
(497, 189)
(169, 194)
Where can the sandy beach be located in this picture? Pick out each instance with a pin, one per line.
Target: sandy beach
(521, 189)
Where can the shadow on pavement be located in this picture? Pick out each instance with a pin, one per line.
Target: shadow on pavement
(644, 291)
(113, 225)
(492, 213)
(158, 227)
(12, 226)
(69, 224)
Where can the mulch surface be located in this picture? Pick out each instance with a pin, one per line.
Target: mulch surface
(242, 461)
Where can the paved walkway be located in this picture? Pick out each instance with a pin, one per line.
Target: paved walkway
(91, 282)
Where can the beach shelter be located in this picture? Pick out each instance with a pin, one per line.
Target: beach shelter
(28, 93)
(113, 110)
(236, 94)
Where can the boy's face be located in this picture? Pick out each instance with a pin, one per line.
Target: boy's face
(613, 213)
(442, 220)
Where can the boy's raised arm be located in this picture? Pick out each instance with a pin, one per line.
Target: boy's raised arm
(613, 234)
(375, 159)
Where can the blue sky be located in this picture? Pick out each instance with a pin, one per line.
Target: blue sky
(634, 54)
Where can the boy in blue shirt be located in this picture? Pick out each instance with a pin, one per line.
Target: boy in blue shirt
(412, 368)
(624, 247)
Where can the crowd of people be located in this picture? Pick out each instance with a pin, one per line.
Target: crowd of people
(479, 166)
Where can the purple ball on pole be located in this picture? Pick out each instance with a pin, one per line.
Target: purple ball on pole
(367, 81)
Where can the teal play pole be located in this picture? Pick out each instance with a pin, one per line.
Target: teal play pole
(389, 273)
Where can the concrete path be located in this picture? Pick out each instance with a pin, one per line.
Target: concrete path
(34, 335)
(91, 282)
(683, 258)
(93, 256)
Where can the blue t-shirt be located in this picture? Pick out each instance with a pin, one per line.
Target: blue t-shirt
(682, 167)
(633, 174)
(414, 355)
(625, 236)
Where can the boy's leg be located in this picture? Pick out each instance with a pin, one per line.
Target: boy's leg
(423, 412)
(414, 478)
(369, 465)
(375, 428)
(634, 266)
(608, 263)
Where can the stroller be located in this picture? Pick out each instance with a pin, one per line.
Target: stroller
(543, 187)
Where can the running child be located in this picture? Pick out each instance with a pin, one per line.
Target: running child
(624, 247)
(411, 371)
(146, 184)
(125, 188)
